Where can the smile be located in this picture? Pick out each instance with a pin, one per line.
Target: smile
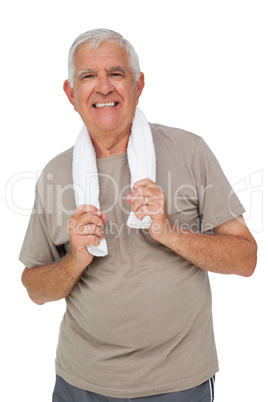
(108, 104)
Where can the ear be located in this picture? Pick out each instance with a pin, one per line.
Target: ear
(140, 86)
(69, 93)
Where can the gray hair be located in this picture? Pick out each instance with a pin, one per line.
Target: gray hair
(95, 37)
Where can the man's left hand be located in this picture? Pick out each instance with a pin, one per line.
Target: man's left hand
(147, 198)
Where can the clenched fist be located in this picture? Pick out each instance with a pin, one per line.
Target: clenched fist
(85, 228)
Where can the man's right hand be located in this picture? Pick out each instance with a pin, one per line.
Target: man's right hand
(85, 228)
(56, 281)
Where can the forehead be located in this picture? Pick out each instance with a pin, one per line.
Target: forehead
(108, 54)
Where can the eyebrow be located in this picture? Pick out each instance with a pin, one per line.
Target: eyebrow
(87, 71)
(109, 70)
(117, 68)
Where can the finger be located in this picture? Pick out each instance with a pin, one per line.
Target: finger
(137, 201)
(142, 211)
(83, 220)
(139, 193)
(144, 196)
(90, 218)
(86, 208)
(86, 230)
(103, 218)
(129, 199)
(143, 183)
(152, 205)
(145, 187)
(93, 240)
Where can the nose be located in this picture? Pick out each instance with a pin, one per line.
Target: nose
(104, 85)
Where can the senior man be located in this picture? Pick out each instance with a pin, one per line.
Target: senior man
(125, 227)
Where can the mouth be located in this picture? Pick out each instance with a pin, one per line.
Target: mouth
(106, 105)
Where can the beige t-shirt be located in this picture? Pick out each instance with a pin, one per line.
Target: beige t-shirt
(139, 320)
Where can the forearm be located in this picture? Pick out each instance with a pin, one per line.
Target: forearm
(220, 253)
(52, 282)
(231, 249)
(56, 281)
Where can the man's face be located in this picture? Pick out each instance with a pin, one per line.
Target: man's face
(105, 93)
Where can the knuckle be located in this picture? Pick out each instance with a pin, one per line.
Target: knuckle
(80, 229)
(162, 197)
(94, 229)
(71, 222)
(94, 240)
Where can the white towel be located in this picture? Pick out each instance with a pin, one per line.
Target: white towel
(142, 165)
(141, 161)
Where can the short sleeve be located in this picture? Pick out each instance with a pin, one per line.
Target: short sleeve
(38, 248)
(217, 201)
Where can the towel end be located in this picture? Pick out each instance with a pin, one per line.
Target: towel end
(135, 223)
(100, 251)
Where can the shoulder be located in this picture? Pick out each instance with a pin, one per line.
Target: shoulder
(174, 143)
(59, 169)
(167, 134)
(62, 159)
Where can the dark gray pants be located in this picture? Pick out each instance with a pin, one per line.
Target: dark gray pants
(65, 392)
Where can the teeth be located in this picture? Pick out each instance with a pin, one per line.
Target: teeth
(109, 104)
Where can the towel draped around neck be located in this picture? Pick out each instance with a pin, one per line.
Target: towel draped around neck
(141, 161)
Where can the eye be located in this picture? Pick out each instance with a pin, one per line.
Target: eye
(117, 74)
(87, 76)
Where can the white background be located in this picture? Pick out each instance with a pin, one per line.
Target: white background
(205, 64)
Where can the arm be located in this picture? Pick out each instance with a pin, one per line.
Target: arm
(51, 282)
(55, 281)
(231, 249)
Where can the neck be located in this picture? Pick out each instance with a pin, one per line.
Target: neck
(109, 147)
